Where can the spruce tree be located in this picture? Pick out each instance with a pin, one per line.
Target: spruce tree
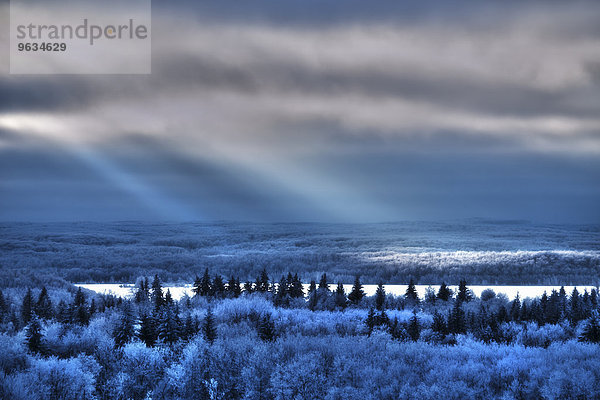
(340, 296)
(370, 321)
(296, 289)
(411, 292)
(248, 287)
(266, 328)
(169, 329)
(3, 306)
(218, 287)
(157, 293)
(209, 328)
(515, 309)
(591, 330)
(263, 282)
(43, 307)
(27, 307)
(124, 330)
(456, 319)
(380, 297)
(168, 299)
(197, 287)
(414, 328)
(444, 293)
(357, 293)
(33, 335)
(80, 311)
(464, 294)
(439, 324)
(147, 333)
(323, 283)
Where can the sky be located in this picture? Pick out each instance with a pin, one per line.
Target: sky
(305, 110)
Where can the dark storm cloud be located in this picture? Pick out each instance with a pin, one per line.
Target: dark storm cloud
(321, 110)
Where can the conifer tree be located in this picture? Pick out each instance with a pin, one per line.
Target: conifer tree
(296, 288)
(357, 293)
(218, 287)
(414, 328)
(233, 287)
(340, 296)
(370, 322)
(411, 292)
(591, 330)
(444, 293)
(197, 286)
(157, 293)
(313, 298)
(124, 330)
(263, 282)
(248, 289)
(464, 294)
(80, 311)
(209, 328)
(168, 299)
(169, 329)
(380, 297)
(43, 307)
(515, 309)
(456, 319)
(190, 328)
(323, 283)
(266, 328)
(439, 324)
(147, 333)
(27, 307)
(33, 335)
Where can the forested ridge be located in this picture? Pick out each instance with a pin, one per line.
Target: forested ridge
(483, 252)
(261, 339)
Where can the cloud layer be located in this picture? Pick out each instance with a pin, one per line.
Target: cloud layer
(270, 95)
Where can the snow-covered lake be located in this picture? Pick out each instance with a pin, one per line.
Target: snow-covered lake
(127, 290)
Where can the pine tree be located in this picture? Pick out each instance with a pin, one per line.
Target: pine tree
(266, 328)
(464, 294)
(27, 307)
(209, 328)
(124, 330)
(370, 322)
(34, 336)
(263, 282)
(323, 283)
(80, 311)
(380, 297)
(515, 309)
(439, 324)
(340, 296)
(357, 293)
(296, 289)
(411, 292)
(233, 287)
(414, 328)
(591, 330)
(43, 307)
(169, 329)
(218, 287)
(456, 319)
(444, 293)
(168, 299)
(197, 286)
(157, 293)
(147, 333)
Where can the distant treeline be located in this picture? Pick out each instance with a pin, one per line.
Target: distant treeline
(482, 253)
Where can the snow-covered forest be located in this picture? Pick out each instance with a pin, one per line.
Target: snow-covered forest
(260, 339)
(483, 252)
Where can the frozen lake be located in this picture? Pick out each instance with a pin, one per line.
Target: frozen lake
(127, 290)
